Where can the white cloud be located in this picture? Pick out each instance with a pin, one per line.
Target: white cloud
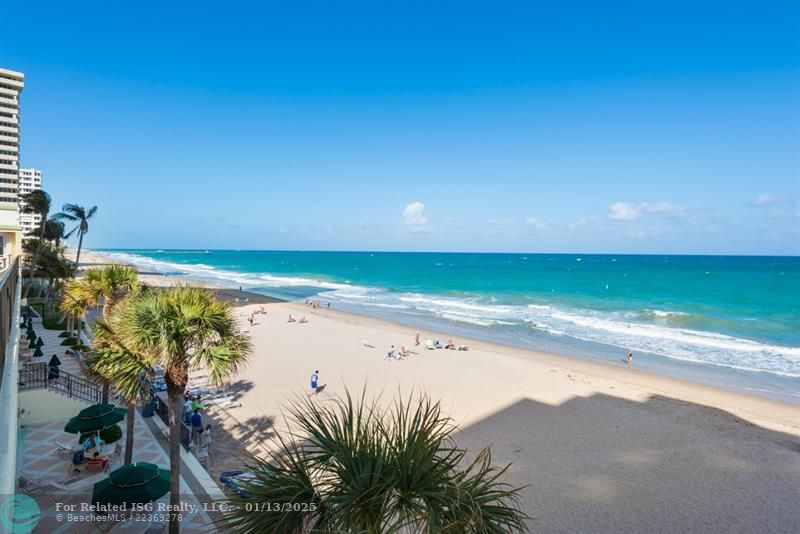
(535, 223)
(625, 211)
(662, 207)
(767, 199)
(414, 214)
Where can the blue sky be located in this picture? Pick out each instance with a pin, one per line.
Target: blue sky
(492, 126)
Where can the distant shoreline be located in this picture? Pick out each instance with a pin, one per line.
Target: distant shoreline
(250, 297)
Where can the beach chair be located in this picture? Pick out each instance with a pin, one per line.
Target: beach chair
(224, 402)
(64, 450)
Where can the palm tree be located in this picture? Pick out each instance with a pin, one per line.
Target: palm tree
(108, 285)
(357, 466)
(74, 303)
(37, 202)
(53, 231)
(182, 328)
(79, 214)
(127, 371)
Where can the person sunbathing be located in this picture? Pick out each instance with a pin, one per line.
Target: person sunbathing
(303, 319)
(450, 345)
(291, 319)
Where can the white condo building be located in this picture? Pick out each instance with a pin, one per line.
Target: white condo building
(11, 85)
(29, 180)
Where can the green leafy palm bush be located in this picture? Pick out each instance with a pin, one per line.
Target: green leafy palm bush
(355, 466)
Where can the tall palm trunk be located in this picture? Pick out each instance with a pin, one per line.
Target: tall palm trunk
(175, 394)
(108, 305)
(129, 432)
(78, 255)
(36, 257)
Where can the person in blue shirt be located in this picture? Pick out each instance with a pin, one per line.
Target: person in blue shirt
(197, 424)
(314, 382)
(93, 441)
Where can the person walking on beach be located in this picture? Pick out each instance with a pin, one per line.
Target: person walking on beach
(416, 339)
(630, 358)
(314, 382)
(390, 354)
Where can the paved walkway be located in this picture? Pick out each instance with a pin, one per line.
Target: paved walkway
(52, 345)
(42, 465)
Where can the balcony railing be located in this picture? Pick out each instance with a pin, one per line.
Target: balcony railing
(40, 376)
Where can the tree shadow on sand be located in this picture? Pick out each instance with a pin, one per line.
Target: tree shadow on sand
(608, 464)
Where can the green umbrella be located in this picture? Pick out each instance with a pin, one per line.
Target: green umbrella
(140, 482)
(96, 417)
(38, 352)
(31, 344)
(39, 342)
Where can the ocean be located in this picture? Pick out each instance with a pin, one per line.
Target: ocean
(728, 321)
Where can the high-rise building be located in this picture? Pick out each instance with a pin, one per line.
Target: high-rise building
(11, 85)
(29, 180)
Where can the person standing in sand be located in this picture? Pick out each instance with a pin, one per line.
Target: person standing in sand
(630, 358)
(314, 382)
(390, 353)
(416, 339)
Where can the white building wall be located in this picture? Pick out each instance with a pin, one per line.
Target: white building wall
(29, 180)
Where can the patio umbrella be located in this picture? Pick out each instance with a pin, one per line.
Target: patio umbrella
(96, 417)
(39, 342)
(31, 344)
(38, 352)
(31, 335)
(53, 365)
(140, 482)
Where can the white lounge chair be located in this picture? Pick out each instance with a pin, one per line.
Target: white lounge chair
(224, 402)
(64, 450)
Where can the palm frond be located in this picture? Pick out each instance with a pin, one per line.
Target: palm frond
(369, 468)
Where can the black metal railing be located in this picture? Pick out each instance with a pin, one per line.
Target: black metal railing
(41, 376)
(162, 410)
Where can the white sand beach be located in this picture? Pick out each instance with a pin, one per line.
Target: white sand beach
(600, 447)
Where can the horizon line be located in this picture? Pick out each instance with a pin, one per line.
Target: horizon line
(364, 251)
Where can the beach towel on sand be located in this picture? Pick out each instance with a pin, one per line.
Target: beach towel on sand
(429, 344)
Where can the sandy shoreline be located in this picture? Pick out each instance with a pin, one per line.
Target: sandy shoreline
(602, 447)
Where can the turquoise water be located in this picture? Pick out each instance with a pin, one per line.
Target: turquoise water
(731, 321)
